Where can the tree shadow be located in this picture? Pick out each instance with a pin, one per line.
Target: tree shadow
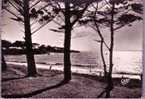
(41, 75)
(15, 78)
(101, 94)
(26, 95)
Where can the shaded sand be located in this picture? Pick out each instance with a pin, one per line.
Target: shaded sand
(48, 85)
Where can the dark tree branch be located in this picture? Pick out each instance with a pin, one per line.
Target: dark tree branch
(35, 4)
(33, 23)
(44, 7)
(59, 7)
(108, 3)
(39, 28)
(42, 26)
(13, 14)
(103, 40)
(80, 15)
(17, 9)
(57, 23)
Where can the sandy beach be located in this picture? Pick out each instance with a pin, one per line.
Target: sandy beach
(47, 85)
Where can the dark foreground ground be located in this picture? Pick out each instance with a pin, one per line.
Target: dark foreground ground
(48, 85)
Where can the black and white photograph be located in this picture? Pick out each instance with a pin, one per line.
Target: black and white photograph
(71, 48)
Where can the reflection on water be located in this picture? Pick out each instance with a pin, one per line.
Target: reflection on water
(127, 61)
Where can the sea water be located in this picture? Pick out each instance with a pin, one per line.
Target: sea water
(129, 62)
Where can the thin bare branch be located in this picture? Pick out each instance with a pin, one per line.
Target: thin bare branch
(59, 6)
(101, 34)
(108, 3)
(39, 28)
(13, 5)
(55, 17)
(117, 28)
(61, 17)
(57, 22)
(18, 3)
(13, 14)
(44, 7)
(35, 4)
(34, 22)
(18, 9)
(80, 15)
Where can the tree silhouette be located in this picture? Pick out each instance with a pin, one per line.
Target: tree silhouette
(116, 23)
(19, 44)
(43, 49)
(113, 17)
(5, 46)
(25, 13)
(4, 65)
(70, 15)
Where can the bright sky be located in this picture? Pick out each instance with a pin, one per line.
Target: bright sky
(128, 38)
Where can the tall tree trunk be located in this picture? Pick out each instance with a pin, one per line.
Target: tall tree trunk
(67, 43)
(103, 59)
(4, 65)
(109, 79)
(28, 41)
(101, 48)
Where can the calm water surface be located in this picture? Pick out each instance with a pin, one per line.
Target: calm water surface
(124, 61)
